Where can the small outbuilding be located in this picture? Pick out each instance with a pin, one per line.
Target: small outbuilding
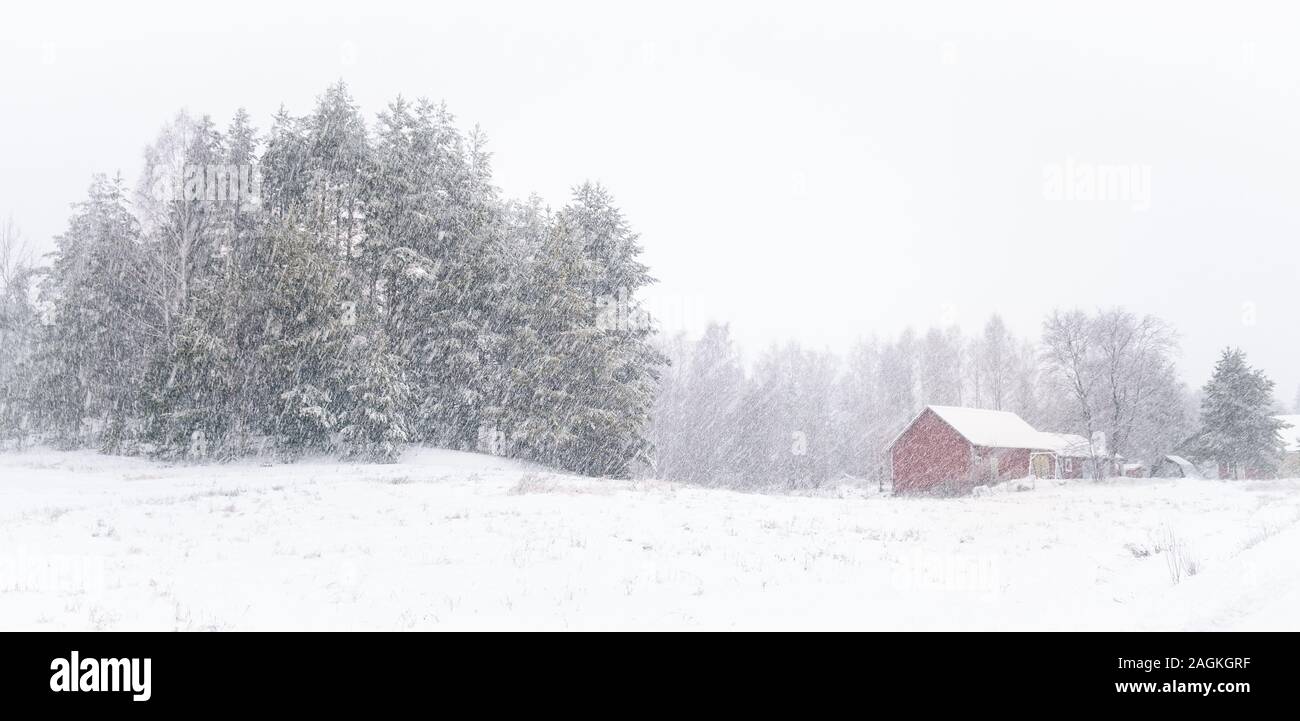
(1133, 470)
(1073, 455)
(1174, 467)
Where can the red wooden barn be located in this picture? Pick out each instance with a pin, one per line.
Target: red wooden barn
(950, 450)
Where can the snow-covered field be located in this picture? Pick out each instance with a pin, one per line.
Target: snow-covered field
(450, 540)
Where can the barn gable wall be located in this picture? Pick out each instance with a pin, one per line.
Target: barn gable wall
(931, 456)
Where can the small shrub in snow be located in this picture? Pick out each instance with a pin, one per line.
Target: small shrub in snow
(1138, 550)
(531, 483)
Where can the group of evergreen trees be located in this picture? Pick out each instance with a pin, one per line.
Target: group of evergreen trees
(362, 288)
(338, 286)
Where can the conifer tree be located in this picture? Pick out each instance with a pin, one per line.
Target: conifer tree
(305, 330)
(545, 360)
(19, 330)
(283, 166)
(615, 365)
(94, 355)
(1238, 428)
(337, 165)
(373, 415)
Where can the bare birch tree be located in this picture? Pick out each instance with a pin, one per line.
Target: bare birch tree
(1069, 357)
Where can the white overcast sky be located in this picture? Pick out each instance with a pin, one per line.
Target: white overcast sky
(818, 171)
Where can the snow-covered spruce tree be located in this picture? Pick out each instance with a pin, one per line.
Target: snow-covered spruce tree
(1238, 428)
(475, 271)
(581, 367)
(19, 329)
(240, 229)
(305, 325)
(189, 387)
(618, 364)
(94, 354)
(337, 166)
(536, 302)
(376, 400)
(283, 166)
(439, 255)
(430, 259)
(307, 287)
(390, 199)
(547, 361)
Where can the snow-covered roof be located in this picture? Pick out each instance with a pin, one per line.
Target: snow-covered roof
(1004, 429)
(1291, 435)
(1069, 445)
(994, 429)
(1189, 469)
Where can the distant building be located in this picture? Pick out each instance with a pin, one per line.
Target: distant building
(946, 449)
(1174, 467)
(1133, 470)
(1073, 455)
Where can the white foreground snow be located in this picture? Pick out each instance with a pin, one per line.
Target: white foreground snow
(450, 540)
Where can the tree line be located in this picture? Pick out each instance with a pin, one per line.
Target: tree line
(795, 416)
(342, 286)
(331, 285)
